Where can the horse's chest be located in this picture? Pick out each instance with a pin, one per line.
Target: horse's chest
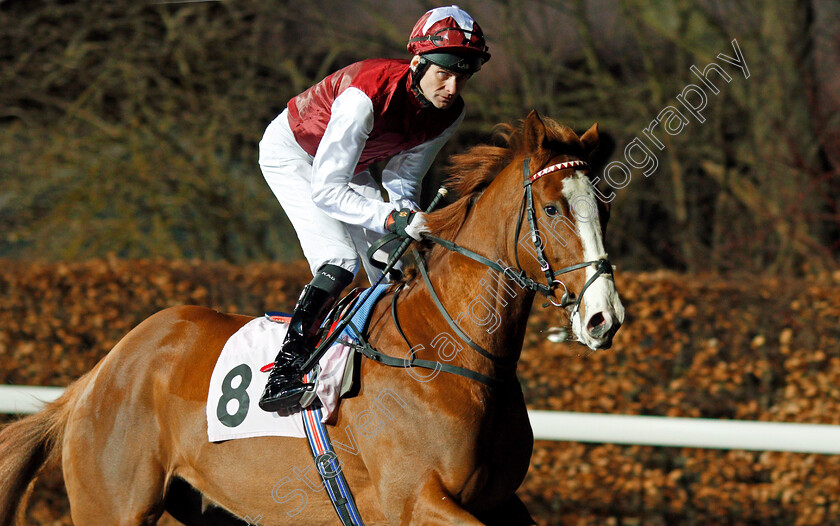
(487, 459)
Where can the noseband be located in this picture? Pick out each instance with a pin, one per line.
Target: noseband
(507, 364)
(518, 275)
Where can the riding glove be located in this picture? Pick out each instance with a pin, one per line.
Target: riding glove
(406, 222)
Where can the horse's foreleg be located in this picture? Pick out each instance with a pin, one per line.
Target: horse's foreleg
(511, 513)
(433, 505)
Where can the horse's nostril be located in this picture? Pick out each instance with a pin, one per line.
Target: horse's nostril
(597, 325)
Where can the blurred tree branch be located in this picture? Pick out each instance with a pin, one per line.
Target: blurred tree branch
(133, 127)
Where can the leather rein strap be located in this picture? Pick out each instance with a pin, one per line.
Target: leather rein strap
(369, 351)
(602, 266)
(518, 275)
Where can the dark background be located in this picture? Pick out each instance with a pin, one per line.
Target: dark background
(129, 182)
(131, 127)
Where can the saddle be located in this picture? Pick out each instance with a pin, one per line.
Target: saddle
(346, 306)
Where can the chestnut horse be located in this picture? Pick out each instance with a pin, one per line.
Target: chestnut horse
(415, 446)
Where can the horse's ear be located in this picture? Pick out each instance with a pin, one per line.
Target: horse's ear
(534, 132)
(590, 139)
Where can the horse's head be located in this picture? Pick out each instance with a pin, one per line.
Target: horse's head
(561, 226)
(551, 238)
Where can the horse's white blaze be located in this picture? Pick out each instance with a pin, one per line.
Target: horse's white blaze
(602, 296)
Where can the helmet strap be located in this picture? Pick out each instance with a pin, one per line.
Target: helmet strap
(416, 75)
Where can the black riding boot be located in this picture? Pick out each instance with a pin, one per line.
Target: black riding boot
(284, 386)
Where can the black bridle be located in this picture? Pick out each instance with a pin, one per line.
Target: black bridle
(526, 209)
(518, 275)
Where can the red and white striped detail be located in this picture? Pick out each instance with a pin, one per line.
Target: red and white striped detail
(558, 166)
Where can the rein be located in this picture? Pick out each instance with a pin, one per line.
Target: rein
(602, 266)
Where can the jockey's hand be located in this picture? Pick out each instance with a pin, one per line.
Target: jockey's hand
(407, 223)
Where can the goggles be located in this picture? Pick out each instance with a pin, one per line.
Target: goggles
(455, 37)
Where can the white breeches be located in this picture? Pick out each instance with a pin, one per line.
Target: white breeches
(287, 169)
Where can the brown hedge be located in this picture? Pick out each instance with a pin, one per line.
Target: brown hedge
(698, 346)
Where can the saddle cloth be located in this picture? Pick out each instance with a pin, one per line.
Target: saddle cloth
(237, 381)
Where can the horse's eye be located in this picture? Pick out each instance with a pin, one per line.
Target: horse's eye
(550, 210)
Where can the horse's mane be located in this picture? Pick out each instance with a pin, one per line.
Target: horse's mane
(469, 173)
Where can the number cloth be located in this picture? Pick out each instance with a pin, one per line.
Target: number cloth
(236, 385)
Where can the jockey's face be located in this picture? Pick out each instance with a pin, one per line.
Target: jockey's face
(441, 86)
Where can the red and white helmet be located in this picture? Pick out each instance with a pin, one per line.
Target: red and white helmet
(450, 38)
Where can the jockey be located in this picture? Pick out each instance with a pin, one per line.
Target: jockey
(315, 157)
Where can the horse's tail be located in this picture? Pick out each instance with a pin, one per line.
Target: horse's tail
(29, 444)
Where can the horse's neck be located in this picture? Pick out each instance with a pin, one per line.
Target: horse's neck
(489, 308)
(493, 309)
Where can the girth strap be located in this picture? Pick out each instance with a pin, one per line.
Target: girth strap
(328, 466)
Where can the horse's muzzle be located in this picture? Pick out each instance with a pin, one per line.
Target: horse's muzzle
(601, 328)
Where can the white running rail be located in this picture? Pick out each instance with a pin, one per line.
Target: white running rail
(598, 428)
(26, 398)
